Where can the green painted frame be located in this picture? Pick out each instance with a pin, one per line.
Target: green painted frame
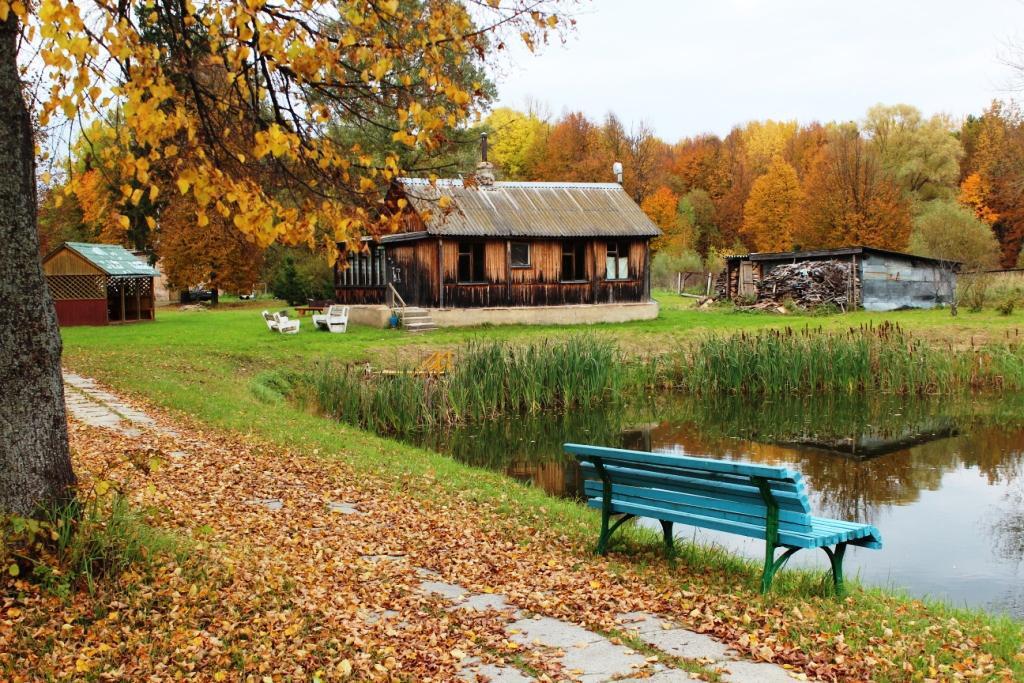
(772, 564)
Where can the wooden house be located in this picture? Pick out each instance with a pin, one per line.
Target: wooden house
(881, 280)
(99, 284)
(505, 244)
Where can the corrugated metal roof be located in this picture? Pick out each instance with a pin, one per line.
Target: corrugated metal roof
(112, 259)
(828, 253)
(517, 209)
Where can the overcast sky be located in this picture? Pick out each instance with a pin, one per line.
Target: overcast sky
(689, 66)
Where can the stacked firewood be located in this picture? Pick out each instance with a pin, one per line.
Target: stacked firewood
(808, 285)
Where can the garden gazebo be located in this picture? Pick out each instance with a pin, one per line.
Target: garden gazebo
(99, 284)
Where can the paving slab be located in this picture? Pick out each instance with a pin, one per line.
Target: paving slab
(445, 590)
(342, 508)
(665, 676)
(273, 504)
(551, 632)
(494, 674)
(745, 671)
(484, 601)
(644, 622)
(687, 644)
(601, 661)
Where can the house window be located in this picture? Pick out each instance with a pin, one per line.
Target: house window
(520, 253)
(617, 262)
(471, 262)
(574, 261)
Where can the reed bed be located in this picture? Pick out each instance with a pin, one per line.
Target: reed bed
(488, 380)
(500, 379)
(870, 358)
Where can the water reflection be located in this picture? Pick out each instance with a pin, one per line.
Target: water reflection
(940, 478)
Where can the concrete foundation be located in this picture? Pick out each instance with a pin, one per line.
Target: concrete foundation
(583, 314)
(374, 316)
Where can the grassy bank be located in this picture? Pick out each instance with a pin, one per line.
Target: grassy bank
(203, 364)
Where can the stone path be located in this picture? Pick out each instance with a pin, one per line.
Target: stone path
(585, 655)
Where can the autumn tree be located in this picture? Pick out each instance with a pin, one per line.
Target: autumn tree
(850, 200)
(515, 140)
(662, 207)
(922, 155)
(771, 211)
(993, 175)
(574, 151)
(697, 212)
(256, 152)
(953, 235)
(950, 232)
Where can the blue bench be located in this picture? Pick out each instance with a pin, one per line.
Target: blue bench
(757, 501)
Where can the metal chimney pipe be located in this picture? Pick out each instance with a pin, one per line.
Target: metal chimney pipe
(483, 146)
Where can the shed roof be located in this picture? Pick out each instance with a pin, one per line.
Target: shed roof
(112, 259)
(520, 209)
(830, 253)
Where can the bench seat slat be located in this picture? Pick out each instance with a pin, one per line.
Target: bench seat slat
(707, 464)
(710, 506)
(743, 493)
(821, 533)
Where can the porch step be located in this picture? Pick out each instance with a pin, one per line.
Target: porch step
(417, 320)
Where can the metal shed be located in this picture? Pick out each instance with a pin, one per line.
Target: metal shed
(884, 280)
(99, 284)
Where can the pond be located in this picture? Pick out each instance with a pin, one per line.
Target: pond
(941, 478)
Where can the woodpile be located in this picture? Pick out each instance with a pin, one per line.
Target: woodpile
(809, 284)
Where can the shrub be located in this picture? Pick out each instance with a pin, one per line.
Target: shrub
(78, 544)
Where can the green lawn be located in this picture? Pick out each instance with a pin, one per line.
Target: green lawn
(203, 363)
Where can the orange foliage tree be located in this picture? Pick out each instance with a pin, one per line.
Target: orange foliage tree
(993, 175)
(850, 201)
(771, 211)
(574, 151)
(662, 207)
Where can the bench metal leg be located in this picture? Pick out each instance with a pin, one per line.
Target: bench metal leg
(773, 565)
(608, 528)
(670, 548)
(836, 558)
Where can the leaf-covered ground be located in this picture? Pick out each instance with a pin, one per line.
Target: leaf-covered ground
(291, 594)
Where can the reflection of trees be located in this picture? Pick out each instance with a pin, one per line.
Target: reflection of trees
(530, 448)
(847, 487)
(1008, 530)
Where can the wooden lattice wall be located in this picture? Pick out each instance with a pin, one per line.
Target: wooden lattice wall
(71, 287)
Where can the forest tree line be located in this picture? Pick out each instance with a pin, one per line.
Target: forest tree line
(895, 180)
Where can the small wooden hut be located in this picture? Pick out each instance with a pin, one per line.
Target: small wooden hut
(99, 284)
(507, 244)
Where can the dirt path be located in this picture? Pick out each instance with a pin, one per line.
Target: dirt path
(333, 575)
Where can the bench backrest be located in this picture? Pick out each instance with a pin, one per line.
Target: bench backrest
(723, 493)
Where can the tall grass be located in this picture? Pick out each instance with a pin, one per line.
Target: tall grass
(869, 358)
(500, 379)
(488, 380)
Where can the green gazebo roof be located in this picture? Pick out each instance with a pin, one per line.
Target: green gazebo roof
(112, 259)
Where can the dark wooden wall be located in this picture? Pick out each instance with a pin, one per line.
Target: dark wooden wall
(426, 274)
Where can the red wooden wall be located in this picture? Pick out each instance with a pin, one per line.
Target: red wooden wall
(81, 312)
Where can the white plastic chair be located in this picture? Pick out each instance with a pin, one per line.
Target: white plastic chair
(286, 325)
(334, 319)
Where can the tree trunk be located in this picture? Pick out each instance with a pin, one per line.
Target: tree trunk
(35, 464)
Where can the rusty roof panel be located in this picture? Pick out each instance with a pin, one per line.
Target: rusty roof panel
(518, 209)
